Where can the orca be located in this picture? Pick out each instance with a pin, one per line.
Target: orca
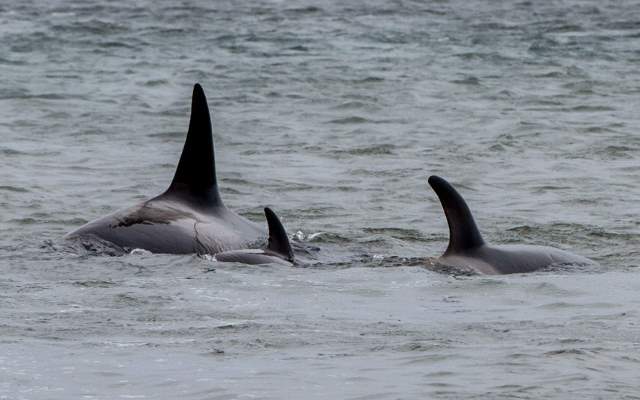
(189, 217)
(467, 249)
(278, 250)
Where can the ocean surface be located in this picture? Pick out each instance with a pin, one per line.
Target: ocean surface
(333, 113)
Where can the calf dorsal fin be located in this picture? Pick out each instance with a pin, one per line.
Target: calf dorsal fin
(278, 239)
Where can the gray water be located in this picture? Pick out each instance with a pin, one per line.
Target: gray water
(334, 114)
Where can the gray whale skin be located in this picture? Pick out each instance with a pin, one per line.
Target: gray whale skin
(468, 250)
(189, 217)
(278, 250)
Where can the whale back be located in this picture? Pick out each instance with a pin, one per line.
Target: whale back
(463, 231)
(189, 217)
(278, 248)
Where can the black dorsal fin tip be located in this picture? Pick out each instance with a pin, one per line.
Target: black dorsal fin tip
(463, 231)
(197, 88)
(278, 239)
(196, 171)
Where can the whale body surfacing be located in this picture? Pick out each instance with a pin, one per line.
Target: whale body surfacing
(468, 250)
(278, 250)
(189, 217)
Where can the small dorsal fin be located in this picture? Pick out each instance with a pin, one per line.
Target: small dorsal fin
(195, 176)
(463, 232)
(278, 239)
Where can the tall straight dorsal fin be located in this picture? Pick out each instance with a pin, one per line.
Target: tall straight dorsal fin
(278, 239)
(195, 176)
(463, 232)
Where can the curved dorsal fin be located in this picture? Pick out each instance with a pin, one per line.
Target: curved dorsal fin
(463, 232)
(278, 239)
(195, 177)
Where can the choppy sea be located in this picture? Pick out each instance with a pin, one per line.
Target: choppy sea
(333, 113)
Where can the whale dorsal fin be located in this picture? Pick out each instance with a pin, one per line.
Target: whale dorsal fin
(195, 177)
(278, 239)
(463, 232)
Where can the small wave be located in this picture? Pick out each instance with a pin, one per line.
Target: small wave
(543, 45)
(25, 221)
(168, 135)
(552, 74)
(126, 300)
(350, 120)
(389, 261)
(298, 48)
(7, 61)
(321, 237)
(471, 80)
(567, 305)
(585, 108)
(140, 252)
(95, 284)
(490, 57)
(96, 27)
(304, 10)
(559, 352)
(383, 149)
(11, 152)
(618, 151)
(155, 82)
(623, 25)
(399, 233)
(565, 28)
(369, 79)
(14, 189)
(40, 96)
(352, 105)
(498, 26)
